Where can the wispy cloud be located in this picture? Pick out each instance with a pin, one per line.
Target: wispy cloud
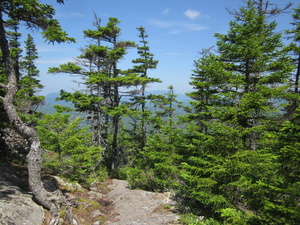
(53, 48)
(54, 61)
(70, 15)
(192, 14)
(194, 26)
(47, 48)
(161, 23)
(176, 27)
(166, 11)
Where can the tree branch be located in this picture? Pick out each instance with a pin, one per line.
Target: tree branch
(3, 86)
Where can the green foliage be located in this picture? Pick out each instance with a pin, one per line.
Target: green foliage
(68, 149)
(37, 15)
(230, 170)
(54, 33)
(191, 219)
(27, 99)
(279, 195)
(20, 73)
(236, 162)
(160, 155)
(105, 84)
(233, 216)
(144, 179)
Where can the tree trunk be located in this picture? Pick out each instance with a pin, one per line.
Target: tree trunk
(116, 120)
(50, 200)
(144, 129)
(297, 75)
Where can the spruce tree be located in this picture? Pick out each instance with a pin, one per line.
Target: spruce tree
(208, 79)
(142, 66)
(253, 53)
(29, 83)
(14, 36)
(160, 158)
(105, 82)
(68, 148)
(241, 84)
(294, 35)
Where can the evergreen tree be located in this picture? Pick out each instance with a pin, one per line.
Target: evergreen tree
(142, 66)
(163, 107)
(294, 35)
(283, 204)
(27, 97)
(227, 156)
(208, 79)
(105, 84)
(253, 53)
(67, 143)
(156, 167)
(14, 35)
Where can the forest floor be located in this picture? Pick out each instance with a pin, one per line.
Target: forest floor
(111, 202)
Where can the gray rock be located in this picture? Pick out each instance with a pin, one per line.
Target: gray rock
(138, 207)
(95, 195)
(69, 186)
(16, 206)
(96, 213)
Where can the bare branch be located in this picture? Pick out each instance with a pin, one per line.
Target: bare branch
(264, 7)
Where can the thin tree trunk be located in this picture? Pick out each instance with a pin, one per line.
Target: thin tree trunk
(297, 75)
(144, 131)
(116, 118)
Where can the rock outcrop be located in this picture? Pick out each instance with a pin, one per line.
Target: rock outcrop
(16, 205)
(138, 207)
(110, 202)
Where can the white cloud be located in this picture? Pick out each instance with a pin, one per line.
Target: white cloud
(177, 27)
(192, 14)
(166, 11)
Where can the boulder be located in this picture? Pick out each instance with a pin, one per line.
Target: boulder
(16, 205)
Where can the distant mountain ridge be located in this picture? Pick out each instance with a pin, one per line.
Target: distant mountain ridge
(50, 100)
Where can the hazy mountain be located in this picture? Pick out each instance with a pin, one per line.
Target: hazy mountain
(50, 100)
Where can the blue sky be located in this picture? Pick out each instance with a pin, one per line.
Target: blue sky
(177, 29)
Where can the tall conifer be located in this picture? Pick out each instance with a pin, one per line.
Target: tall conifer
(142, 66)
(241, 85)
